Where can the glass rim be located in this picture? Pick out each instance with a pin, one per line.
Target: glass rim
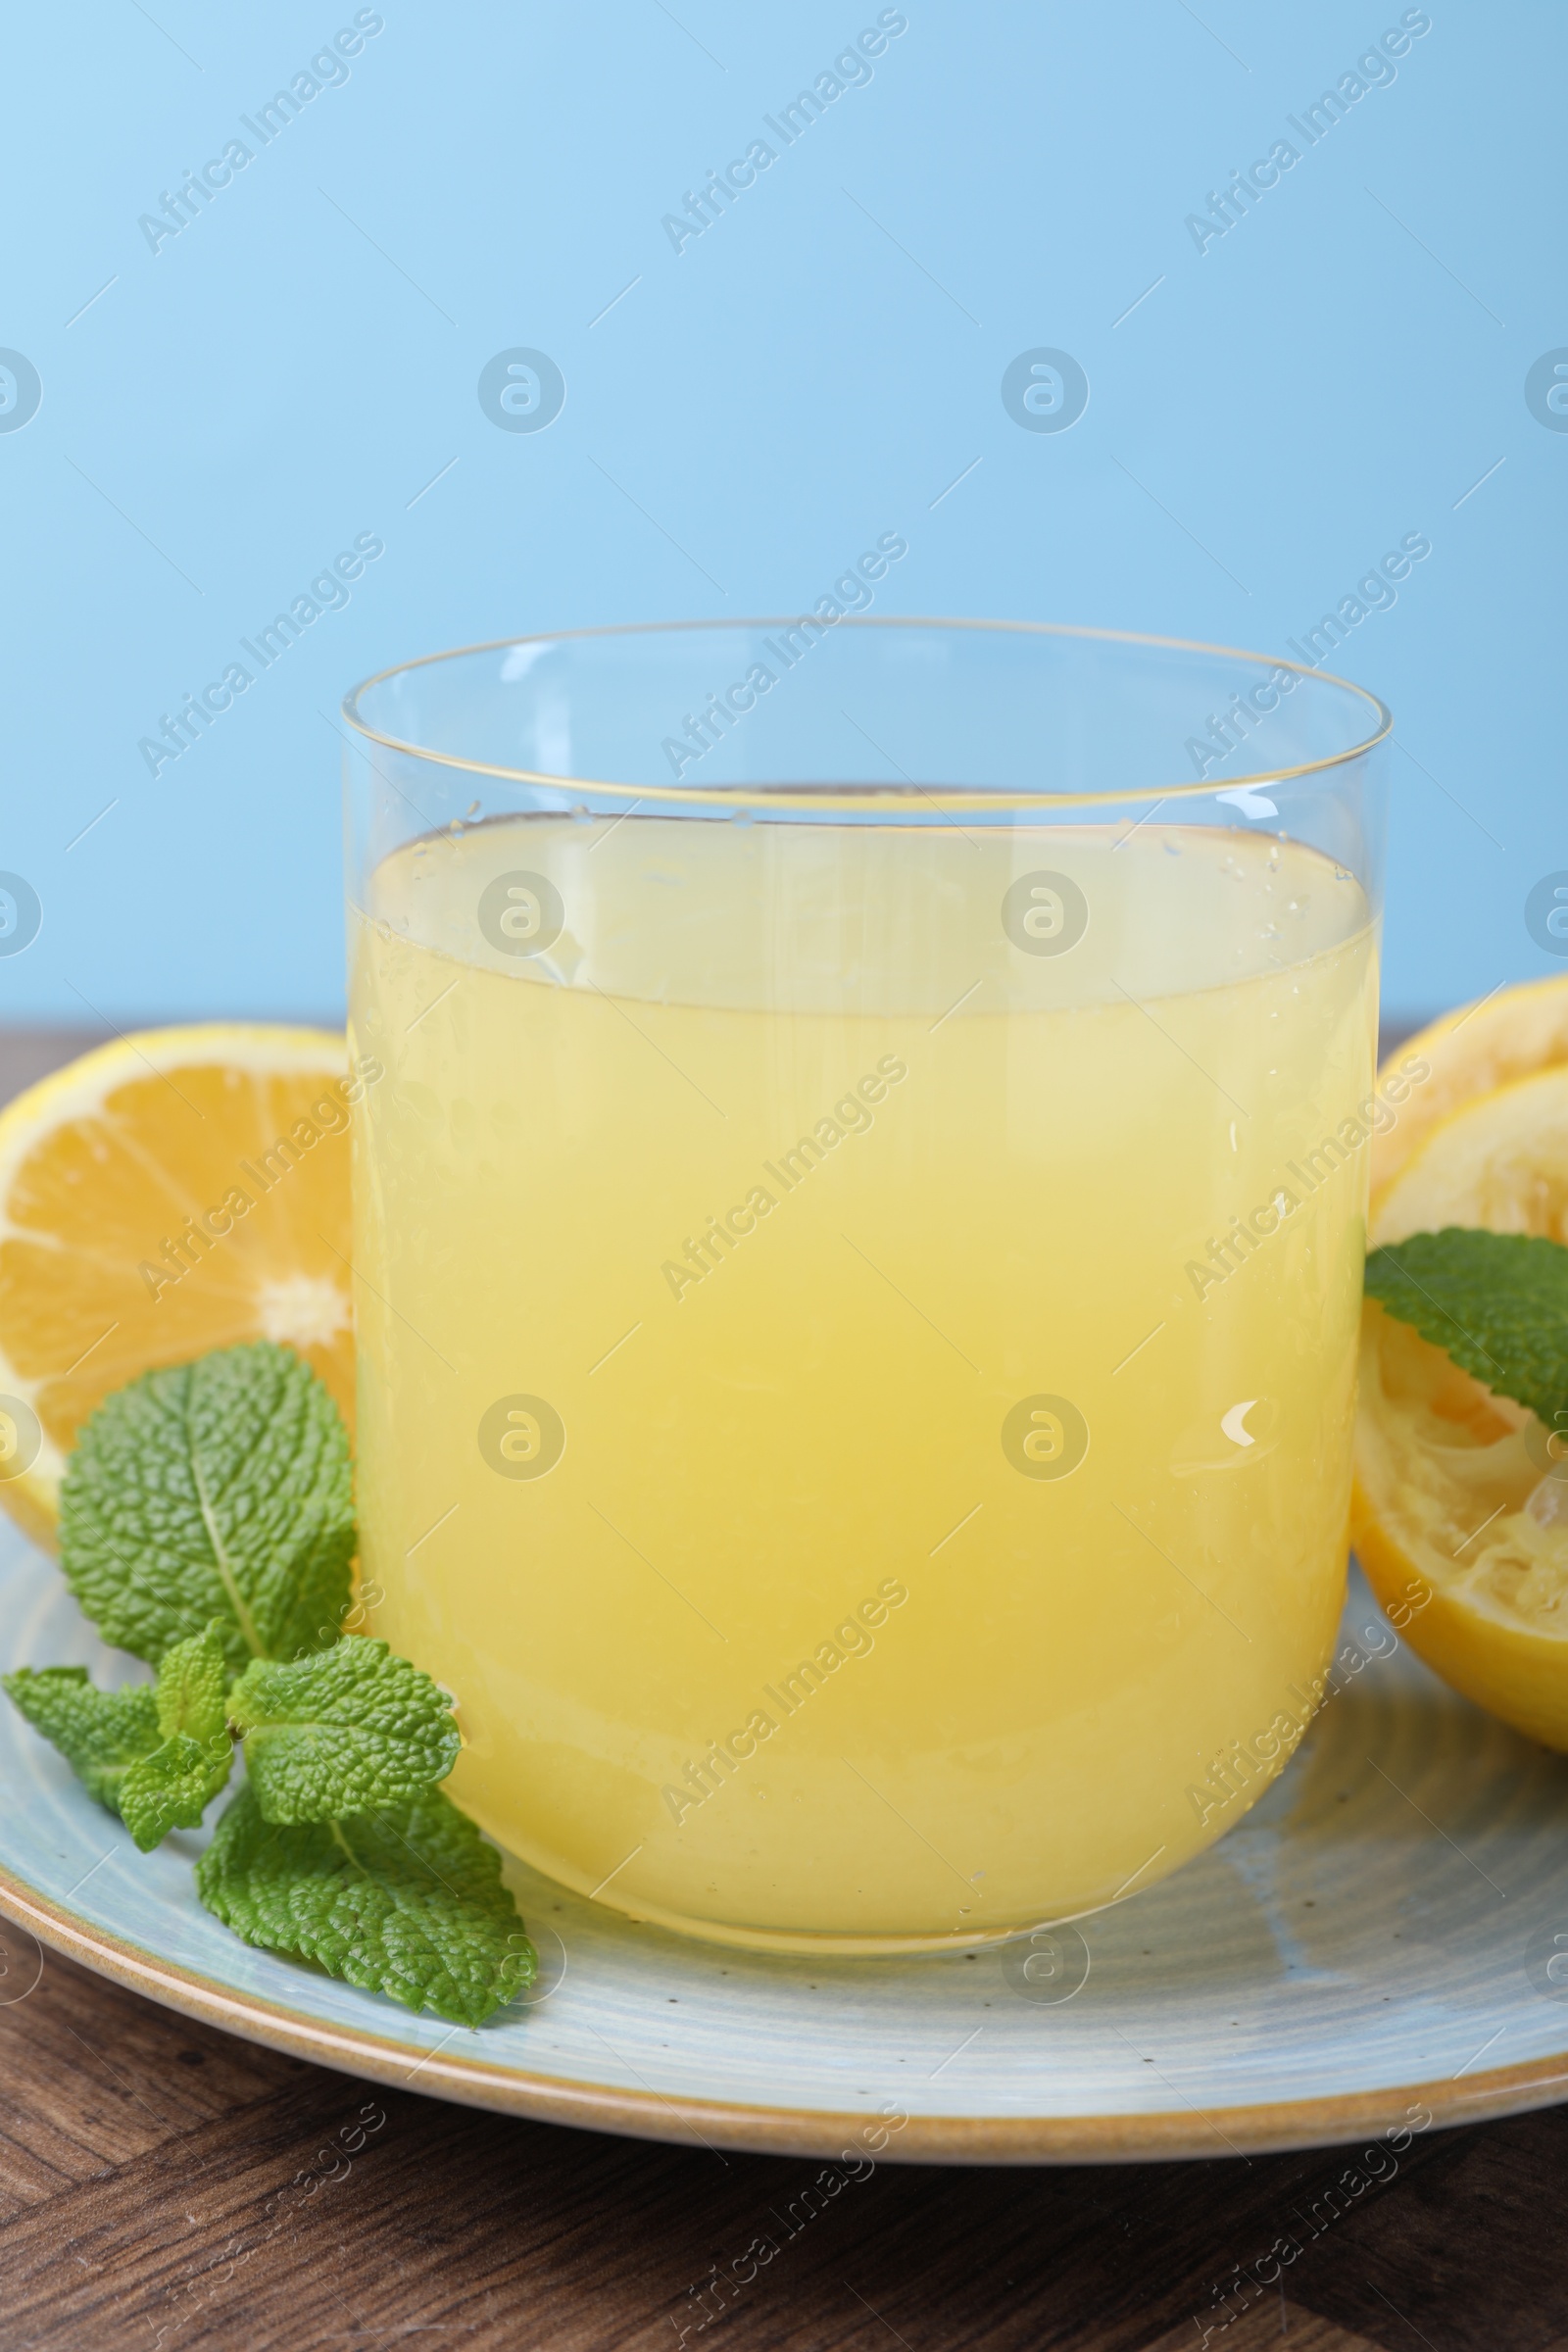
(883, 797)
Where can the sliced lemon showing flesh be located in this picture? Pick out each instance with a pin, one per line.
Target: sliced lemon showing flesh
(1460, 1510)
(175, 1191)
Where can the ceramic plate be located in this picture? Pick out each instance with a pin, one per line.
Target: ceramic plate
(1380, 1935)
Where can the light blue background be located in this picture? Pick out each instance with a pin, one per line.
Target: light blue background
(1337, 371)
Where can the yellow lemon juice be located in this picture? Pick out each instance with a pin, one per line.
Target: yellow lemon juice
(856, 1338)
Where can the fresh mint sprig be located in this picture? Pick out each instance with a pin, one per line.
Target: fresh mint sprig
(101, 1734)
(219, 1489)
(171, 1788)
(207, 1526)
(1495, 1302)
(337, 1733)
(406, 1900)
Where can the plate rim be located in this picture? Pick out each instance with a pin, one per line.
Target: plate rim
(1274, 2127)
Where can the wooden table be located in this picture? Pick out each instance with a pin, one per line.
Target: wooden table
(164, 2189)
(155, 2192)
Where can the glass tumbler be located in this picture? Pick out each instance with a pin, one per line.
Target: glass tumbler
(859, 1214)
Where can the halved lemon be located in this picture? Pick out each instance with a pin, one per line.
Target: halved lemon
(175, 1191)
(1460, 1510)
(1471, 1051)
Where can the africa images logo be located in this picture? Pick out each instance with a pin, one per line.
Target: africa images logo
(21, 391)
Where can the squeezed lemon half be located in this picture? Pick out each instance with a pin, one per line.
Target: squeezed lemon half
(1460, 1506)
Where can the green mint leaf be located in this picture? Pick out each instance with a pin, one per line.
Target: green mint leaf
(192, 1686)
(119, 1743)
(214, 1490)
(352, 1727)
(407, 1902)
(1496, 1302)
(101, 1734)
(172, 1787)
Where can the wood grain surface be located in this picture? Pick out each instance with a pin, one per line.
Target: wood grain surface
(164, 2186)
(167, 2188)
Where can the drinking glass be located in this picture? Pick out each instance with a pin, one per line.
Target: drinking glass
(859, 1218)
